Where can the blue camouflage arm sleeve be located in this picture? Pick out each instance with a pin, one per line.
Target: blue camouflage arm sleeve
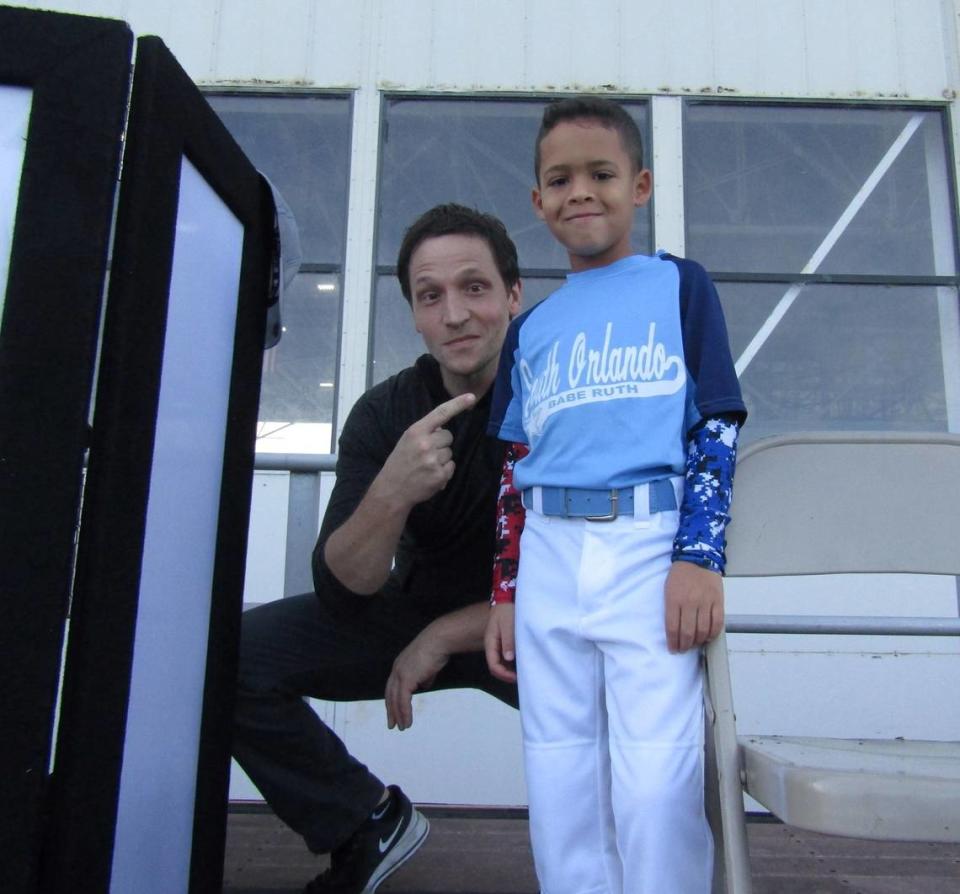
(707, 491)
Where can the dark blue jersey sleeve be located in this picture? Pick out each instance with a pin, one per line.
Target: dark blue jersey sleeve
(504, 419)
(705, 345)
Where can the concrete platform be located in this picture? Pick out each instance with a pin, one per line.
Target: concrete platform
(474, 853)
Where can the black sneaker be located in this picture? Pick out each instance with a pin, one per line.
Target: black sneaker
(383, 843)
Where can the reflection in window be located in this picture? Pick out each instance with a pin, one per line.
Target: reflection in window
(302, 143)
(478, 152)
(844, 214)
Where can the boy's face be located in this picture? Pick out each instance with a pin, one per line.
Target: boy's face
(588, 190)
(461, 308)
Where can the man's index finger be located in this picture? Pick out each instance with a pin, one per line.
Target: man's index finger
(439, 416)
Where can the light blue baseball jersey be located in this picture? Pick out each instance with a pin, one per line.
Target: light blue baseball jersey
(604, 378)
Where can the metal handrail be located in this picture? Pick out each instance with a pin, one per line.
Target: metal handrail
(844, 625)
(295, 462)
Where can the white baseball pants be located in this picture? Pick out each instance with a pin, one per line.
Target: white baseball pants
(612, 722)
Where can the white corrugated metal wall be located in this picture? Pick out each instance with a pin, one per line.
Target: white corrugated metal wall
(832, 50)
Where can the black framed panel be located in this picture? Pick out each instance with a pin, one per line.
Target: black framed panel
(141, 776)
(63, 89)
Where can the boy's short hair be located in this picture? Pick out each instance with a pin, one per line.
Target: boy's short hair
(456, 220)
(604, 111)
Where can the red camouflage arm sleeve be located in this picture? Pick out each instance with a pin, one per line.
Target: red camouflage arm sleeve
(510, 519)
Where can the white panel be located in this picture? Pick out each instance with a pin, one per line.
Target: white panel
(873, 36)
(852, 48)
(828, 62)
(188, 28)
(846, 686)
(871, 695)
(267, 541)
(484, 44)
(463, 748)
(339, 43)
(924, 49)
(14, 119)
(158, 776)
(759, 47)
(561, 45)
(407, 58)
(739, 50)
(327, 481)
(272, 46)
(800, 48)
(669, 48)
(114, 9)
(781, 47)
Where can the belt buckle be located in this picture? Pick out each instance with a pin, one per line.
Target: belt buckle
(614, 499)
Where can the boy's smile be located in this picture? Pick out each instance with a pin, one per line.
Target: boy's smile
(588, 190)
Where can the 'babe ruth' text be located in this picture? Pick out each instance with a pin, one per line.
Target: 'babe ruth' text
(611, 372)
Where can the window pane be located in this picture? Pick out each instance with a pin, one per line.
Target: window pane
(302, 143)
(766, 186)
(396, 343)
(842, 357)
(478, 153)
(297, 394)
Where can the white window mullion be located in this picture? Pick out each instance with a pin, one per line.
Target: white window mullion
(361, 226)
(944, 257)
(950, 353)
(666, 119)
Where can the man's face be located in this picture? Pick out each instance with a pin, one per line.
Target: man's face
(461, 308)
(588, 190)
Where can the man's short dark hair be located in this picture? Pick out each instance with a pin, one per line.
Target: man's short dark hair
(456, 220)
(604, 111)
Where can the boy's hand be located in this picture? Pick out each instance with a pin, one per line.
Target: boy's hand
(498, 643)
(694, 606)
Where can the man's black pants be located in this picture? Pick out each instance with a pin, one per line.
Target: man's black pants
(306, 646)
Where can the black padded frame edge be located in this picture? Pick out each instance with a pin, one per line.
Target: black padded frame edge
(169, 119)
(78, 69)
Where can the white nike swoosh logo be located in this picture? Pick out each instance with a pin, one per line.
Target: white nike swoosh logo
(378, 814)
(386, 842)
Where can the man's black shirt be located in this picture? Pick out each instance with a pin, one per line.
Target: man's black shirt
(445, 554)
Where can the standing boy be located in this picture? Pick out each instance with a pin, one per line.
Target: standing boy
(619, 396)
